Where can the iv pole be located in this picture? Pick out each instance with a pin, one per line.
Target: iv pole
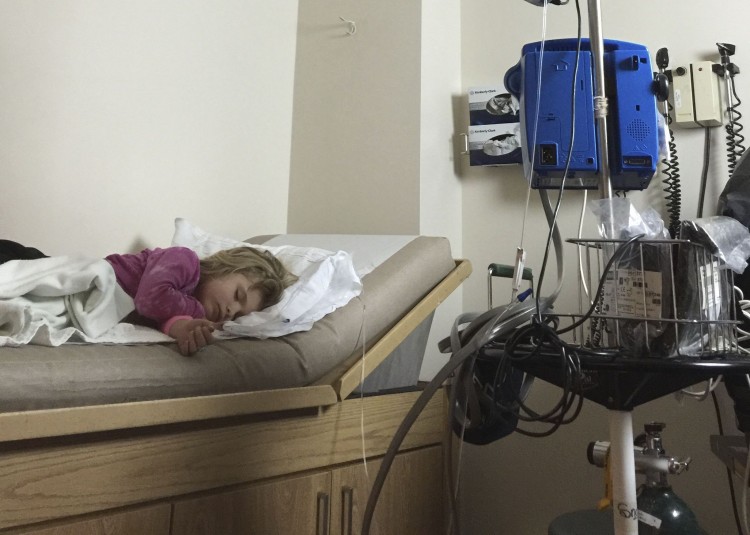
(622, 458)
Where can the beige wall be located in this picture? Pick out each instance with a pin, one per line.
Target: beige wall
(355, 147)
(439, 187)
(517, 485)
(372, 144)
(117, 117)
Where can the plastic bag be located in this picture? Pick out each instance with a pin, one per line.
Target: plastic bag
(620, 220)
(725, 237)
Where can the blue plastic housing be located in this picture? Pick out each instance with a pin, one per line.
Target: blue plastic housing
(634, 126)
(632, 122)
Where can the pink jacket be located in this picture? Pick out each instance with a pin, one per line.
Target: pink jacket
(161, 282)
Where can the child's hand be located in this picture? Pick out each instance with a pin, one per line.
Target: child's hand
(191, 335)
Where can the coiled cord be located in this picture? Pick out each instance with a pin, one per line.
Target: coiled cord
(672, 188)
(670, 163)
(735, 139)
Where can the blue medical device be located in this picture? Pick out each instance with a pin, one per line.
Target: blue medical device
(547, 117)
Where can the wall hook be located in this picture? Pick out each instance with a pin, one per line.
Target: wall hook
(351, 26)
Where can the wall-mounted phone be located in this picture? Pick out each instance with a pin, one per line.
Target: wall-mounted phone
(695, 95)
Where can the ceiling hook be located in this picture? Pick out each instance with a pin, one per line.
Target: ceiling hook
(352, 26)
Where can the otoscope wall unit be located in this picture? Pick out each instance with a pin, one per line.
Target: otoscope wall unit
(695, 95)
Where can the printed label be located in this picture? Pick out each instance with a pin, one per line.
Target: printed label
(649, 520)
(632, 293)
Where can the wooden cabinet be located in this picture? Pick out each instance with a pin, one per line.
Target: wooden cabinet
(295, 473)
(411, 502)
(292, 505)
(331, 502)
(143, 521)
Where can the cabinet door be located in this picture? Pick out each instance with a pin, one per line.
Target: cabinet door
(297, 505)
(411, 501)
(145, 521)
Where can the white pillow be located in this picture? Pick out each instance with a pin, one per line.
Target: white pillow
(327, 281)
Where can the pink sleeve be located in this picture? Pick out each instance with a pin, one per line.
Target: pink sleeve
(171, 321)
(167, 285)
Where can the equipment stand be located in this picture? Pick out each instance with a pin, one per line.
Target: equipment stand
(622, 460)
(620, 383)
(622, 466)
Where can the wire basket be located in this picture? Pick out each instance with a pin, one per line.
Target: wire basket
(654, 298)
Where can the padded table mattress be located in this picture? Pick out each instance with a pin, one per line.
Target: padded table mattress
(77, 375)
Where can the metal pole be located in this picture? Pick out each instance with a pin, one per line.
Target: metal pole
(622, 457)
(600, 98)
(622, 465)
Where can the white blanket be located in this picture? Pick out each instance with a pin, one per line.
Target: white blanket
(55, 300)
(50, 300)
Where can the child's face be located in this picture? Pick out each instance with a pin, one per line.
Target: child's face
(228, 297)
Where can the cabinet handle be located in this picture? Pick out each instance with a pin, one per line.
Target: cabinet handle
(322, 528)
(347, 511)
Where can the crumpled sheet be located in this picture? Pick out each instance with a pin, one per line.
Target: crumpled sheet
(54, 300)
(51, 300)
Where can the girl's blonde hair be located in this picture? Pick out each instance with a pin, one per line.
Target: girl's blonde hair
(266, 272)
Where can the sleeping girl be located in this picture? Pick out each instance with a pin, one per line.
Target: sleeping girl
(188, 298)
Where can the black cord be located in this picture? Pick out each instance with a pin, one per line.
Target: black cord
(704, 172)
(672, 189)
(730, 478)
(735, 140)
(621, 251)
(543, 336)
(539, 336)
